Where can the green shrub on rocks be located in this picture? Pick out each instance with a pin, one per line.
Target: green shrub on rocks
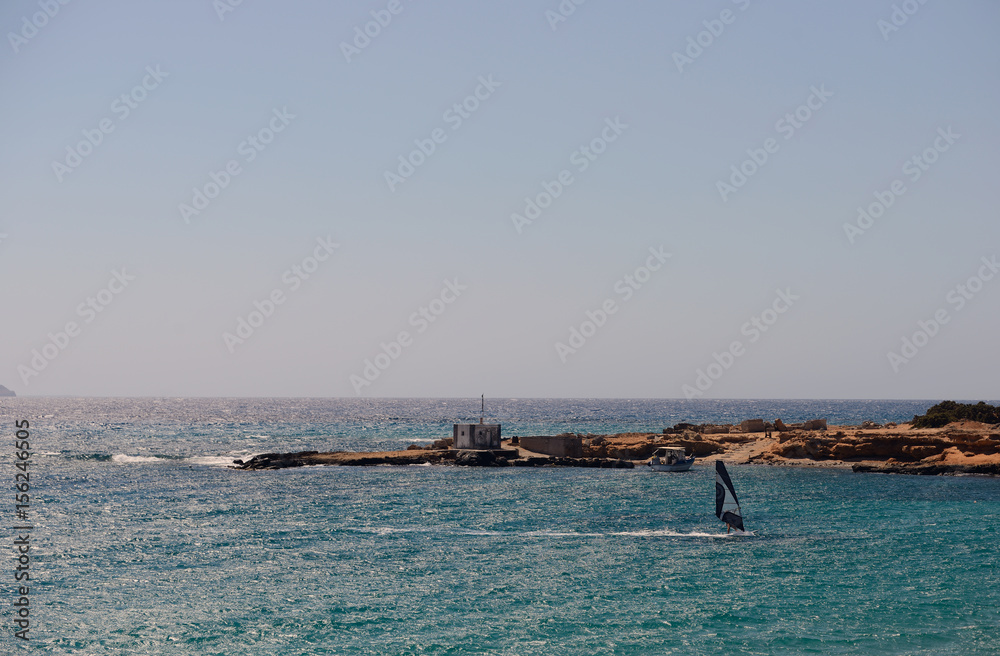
(948, 411)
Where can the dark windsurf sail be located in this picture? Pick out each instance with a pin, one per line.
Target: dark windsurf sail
(727, 507)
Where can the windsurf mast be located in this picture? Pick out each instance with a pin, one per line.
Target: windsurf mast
(727, 507)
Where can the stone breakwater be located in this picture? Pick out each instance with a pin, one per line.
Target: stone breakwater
(501, 458)
(345, 458)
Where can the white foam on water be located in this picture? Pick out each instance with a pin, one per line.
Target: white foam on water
(125, 459)
(548, 533)
(561, 534)
(215, 461)
(208, 461)
(386, 530)
(667, 533)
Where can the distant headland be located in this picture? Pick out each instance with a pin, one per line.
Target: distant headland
(6, 392)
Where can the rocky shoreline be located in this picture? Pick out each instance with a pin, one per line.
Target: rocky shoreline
(918, 469)
(501, 458)
(955, 449)
(958, 448)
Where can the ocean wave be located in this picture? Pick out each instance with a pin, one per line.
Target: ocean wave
(123, 458)
(205, 461)
(220, 460)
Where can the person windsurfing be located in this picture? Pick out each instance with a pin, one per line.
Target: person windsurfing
(727, 507)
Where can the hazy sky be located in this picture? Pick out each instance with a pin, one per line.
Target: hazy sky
(605, 199)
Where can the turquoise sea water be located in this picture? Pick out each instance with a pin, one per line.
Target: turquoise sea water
(146, 544)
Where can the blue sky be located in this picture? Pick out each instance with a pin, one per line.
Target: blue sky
(885, 96)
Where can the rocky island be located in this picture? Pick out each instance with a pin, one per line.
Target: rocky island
(950, 439)
(6, 392)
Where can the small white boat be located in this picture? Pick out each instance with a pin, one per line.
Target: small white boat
(670, 459)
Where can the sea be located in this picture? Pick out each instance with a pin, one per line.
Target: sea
(142, 541)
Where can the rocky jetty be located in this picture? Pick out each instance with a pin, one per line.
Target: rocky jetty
(553, 461)
(497, 459)
(422, 456)
(343, 458)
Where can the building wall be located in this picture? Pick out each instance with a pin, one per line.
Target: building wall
(564, 447)
(476, 436)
